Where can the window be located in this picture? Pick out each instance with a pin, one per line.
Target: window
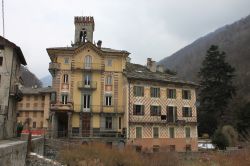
(109, 62)
(53, 97)
(28, 98)
(20, 105)
(43, 98)
(108, 124)
(88, 61)
(171, 114)
(86, 101)
(64, 99)
(171, 93)
(155, 110)
(1, 61)
(172, 148)
(34, 125)
(155, 132)
(42, 114)
(36, 98)
(138, 91)
(155, 92)
(186, 94)
(186, 111)
(187, 132)
(171, 132)
(65, 78)
(138, 110)
(120, 123)
(26, 114)
(108, 80)
(34, 114)
(27, 105)
(87, 79)
(188, 148)
(156, 148)
(35, 105)
(138, 131)
(108, 100)
(66, 60)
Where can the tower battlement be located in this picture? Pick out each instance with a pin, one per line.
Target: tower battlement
(84, 19)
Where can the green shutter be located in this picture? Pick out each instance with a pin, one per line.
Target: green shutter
(174, 91)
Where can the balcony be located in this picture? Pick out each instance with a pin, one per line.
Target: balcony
(61, 107)
(87, 66)
(99, 109)
(87, 85)
(53, 67)
(15, 92)
(161, 119)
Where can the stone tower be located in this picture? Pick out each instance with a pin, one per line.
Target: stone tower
(84, 28)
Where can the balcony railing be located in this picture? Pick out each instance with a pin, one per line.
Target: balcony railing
(16, 92)
(62, 107)
(99, 109)
(161, 119)
(87, 66)
(87, 85)
(54, 66)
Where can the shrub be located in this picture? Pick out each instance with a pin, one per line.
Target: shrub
(220, 140)
(231, 135)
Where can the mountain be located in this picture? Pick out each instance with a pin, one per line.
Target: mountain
(233, 39)
(46, 81)
(29, 78)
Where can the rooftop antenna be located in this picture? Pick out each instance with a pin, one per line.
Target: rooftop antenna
(3, 16)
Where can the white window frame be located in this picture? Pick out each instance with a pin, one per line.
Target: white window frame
(141, 132)
(170, 132)
(108, 100)
(153, 132)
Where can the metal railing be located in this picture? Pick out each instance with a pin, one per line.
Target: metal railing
(99, 109)
(87, 66)
(54, 66)
(87, 85)
(161, 119)
(61, 106)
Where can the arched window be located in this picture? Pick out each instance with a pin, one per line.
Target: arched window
(88, 61)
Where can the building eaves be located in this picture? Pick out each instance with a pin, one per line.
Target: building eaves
(18, 50)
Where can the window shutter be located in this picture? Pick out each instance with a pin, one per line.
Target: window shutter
(175, 113)
(159, 92)
(190, 112)
(189, 94)
(134, 110)
(174, 93)
(159, 110)
(134, 88)
(151, 92)
(183, 94)
(142, 91)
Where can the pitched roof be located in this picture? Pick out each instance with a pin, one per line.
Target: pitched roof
(73, 48)
(18, 50)
(31, 90)
(140, 72)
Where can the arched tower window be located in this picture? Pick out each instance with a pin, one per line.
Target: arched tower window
(88, 61)
(83, 36)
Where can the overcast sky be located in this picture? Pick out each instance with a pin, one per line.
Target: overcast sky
(145, 28)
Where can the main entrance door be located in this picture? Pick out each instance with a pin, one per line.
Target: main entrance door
(86, 124)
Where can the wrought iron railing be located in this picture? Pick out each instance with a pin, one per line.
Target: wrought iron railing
(87, 84)
(87, 66)
(99, 109)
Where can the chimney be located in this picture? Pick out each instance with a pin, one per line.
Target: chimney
(160, 68)
(99, 44)
(151, 65)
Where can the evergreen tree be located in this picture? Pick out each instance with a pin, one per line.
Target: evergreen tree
(216, 89)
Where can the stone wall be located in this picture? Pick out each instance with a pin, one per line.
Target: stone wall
(13, 153)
